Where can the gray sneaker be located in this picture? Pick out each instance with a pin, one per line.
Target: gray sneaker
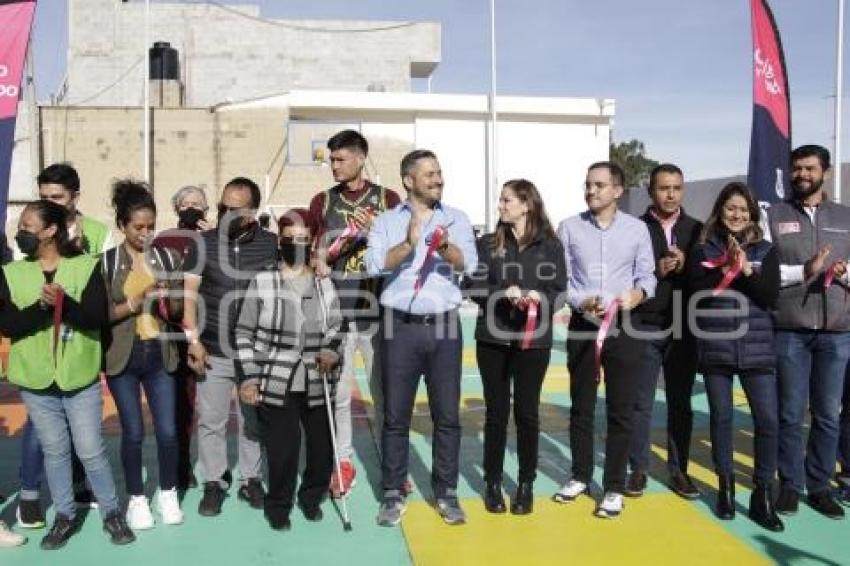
(450, 510)
(391, 511)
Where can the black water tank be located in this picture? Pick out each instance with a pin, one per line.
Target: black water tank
(165, 62)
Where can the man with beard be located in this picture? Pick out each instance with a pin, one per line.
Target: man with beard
(219, 269)
(812, 236)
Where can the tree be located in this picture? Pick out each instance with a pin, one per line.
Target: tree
(631, 156)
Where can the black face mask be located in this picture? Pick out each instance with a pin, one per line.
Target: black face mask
(294, 253)
(189, 218)
(27, 242)
(235, 228)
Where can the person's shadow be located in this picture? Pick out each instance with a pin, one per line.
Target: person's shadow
(782, 553)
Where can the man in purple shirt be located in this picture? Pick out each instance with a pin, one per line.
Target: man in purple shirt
(610, 270)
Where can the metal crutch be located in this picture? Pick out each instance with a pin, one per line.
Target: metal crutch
(346, 522)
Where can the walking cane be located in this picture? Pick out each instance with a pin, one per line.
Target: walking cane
(346, 522)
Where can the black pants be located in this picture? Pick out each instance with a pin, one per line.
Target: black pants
(281, 437)
(621, 358)
(678, 359)
(499, 365)
(185, 415)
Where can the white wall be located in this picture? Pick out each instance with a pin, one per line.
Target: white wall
(461, 147)
(554, 156)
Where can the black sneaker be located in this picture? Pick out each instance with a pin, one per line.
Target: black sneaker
(844, 495)
(635, 485)
(683, 486)
(253, 493)
(824, 503)
(63, 528)
(116, 527)
(29, 514)
(85, 499)
(279, 523)
(211, 502)
(788, 501)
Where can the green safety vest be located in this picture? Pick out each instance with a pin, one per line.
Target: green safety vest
(78, 356)
(94, 235)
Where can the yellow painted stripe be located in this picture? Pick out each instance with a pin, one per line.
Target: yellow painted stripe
(561, 534)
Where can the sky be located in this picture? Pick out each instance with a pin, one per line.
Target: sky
(679, 70)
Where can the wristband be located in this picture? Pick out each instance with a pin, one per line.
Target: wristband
(130, 305)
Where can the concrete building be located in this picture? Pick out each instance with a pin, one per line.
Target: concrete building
(226, 123)
(231, 52)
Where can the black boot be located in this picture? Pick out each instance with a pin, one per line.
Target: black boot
(726, 498)
(494, 501)
(523, 502)
(762, 510)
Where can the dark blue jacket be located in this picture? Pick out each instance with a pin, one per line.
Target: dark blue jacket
(741, 339)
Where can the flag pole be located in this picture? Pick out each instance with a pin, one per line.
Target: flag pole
(146, 114)
(492, 138)
(839, 93)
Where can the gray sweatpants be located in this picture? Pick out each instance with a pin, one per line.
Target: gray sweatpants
(214, 398)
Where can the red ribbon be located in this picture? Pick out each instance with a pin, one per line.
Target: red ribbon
(829, 275)
(162, 305)
(730, 275)
(531, 307)
(437, 237)
(607, 321)
(58, 307)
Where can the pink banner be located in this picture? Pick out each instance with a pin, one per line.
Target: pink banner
(15, 25)
(770, 85)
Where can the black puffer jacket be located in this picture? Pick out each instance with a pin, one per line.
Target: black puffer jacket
(227, 268)
(719, 346)
(539, 267)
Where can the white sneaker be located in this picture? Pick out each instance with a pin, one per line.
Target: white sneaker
(10, 538)
(571, 490)
(139, 516)
(611, 506)
(169, 507)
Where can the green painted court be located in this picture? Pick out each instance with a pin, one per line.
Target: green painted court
(658, 528)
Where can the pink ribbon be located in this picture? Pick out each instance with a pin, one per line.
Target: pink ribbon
(730, 275)
(531, 307)
(437, 236)
(829, 275)
(162, 305)
(607, 321)
(350, 232)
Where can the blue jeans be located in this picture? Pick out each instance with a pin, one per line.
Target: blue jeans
(58, 417)
(810, 366)
(844, 440)
(145, 370)
(410, 350)
(760, 389)
(32, 465)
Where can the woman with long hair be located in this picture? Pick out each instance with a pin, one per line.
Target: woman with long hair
(140, 355)
(289, 339)
(53, 306)
(521, 276)
(734, 271)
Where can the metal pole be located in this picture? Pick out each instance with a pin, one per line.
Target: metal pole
(839, 93)
(492, 138)
(147, 109)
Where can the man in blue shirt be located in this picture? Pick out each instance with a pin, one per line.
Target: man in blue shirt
(420, 248)
(610, 270)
